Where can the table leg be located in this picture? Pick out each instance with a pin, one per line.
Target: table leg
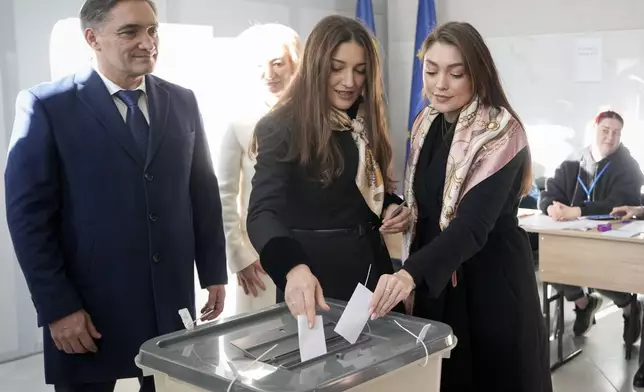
(566, 349)
(629, 344)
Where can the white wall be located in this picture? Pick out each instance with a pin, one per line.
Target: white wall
(25, 27)
(8, 289)
(495, 18)
(498, 18)
(401, 27)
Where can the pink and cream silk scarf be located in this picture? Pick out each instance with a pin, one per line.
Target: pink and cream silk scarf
(485, 140)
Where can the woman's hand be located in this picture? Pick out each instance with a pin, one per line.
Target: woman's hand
(303, 292)
(628, 212)
(391, 289)
(561, 212)
(397, 219)
(250, 279)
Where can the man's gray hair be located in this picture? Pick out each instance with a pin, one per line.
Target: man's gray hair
(95, 12)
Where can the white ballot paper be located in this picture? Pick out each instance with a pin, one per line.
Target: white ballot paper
(355, 315)
(312, 341)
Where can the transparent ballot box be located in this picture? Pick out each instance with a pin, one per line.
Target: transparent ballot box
(260, 352)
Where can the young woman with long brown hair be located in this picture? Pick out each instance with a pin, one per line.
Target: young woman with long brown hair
(322, 183)
(469, 264)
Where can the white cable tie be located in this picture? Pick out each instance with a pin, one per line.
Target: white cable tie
(418, 340)
(187, 320)
(368, 273)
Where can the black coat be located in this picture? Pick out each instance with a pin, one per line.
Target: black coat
(619, 185)
(288, 203)
(494, 309)
(98, 227)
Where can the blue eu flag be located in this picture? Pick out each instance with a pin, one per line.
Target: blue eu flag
(425, 23)
(364, 12)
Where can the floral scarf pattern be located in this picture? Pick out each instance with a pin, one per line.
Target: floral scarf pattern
(485, 140)
(369, 178)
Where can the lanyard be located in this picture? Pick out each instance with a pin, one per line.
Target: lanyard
(589, 191)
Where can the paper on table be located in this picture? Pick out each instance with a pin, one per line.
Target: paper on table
(633, 227)
(618, 234)
(355, 315)
(312, 341)
(545, 222)
(582, 224)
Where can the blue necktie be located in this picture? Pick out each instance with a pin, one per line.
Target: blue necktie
(135, 119)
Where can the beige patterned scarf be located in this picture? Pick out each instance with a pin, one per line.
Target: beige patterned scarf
(485, 140)
(369, 177)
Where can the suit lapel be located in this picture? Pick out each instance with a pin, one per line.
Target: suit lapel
(93, 93)
(158, 104)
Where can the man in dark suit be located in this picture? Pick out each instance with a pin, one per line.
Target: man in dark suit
(111, 200)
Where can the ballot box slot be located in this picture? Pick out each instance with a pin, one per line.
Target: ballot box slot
(287, 353)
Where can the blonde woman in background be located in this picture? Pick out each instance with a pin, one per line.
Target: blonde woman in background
(271, 53)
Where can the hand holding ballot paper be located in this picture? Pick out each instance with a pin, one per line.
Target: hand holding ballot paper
(350, 325)
(303, 292)
(390, 291)
(364, 304)
(353, 320)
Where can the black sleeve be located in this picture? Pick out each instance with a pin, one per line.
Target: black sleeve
(391, 198)
(556, 187)
(434, 263)
(278, 251)
(624, 190)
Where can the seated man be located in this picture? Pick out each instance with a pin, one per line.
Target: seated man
(603, 177)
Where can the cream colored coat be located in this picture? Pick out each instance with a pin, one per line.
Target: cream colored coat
(235, 170)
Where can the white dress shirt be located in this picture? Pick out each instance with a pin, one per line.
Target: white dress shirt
(122, 107)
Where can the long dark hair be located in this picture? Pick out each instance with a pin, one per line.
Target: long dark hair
(305, 103)
(482, 71)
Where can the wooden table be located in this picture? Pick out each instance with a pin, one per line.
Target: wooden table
(587, 259)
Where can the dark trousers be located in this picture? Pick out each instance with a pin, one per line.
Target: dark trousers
(147, 385)
(573, 293)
